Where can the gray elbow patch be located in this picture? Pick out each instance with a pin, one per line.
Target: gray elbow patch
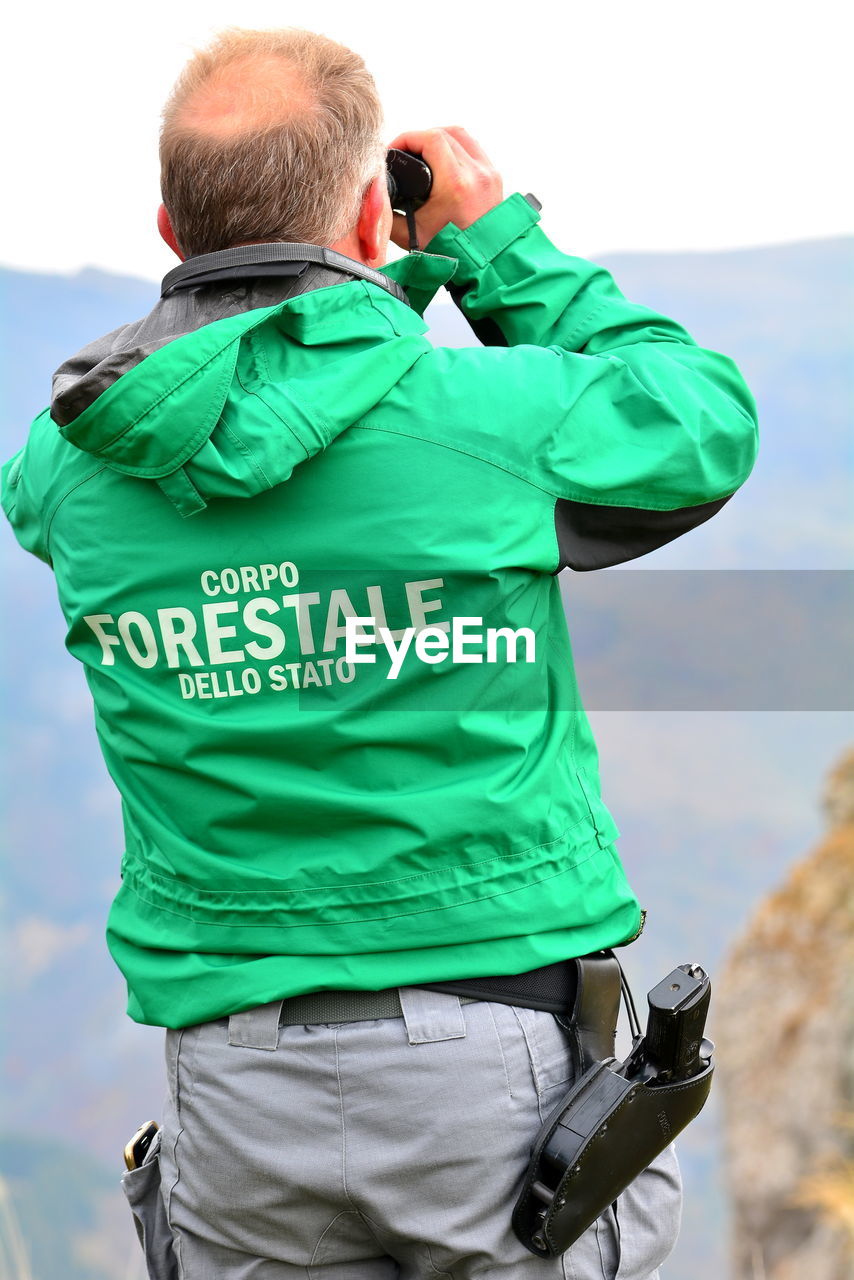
(596, 537)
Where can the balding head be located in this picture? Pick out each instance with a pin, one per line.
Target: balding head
(251, 92)
(269, 136)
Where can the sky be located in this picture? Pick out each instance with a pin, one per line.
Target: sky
(656, 126)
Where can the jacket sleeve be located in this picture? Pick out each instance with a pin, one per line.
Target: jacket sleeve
(23, 500)
(638, 432)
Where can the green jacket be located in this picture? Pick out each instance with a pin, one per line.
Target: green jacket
(229, 481)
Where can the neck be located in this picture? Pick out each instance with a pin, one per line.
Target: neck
(351, 246)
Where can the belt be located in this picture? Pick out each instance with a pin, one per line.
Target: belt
(583, 993)
(344, 1006)
(551, 988)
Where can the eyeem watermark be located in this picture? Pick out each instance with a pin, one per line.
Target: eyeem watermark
(433, 645)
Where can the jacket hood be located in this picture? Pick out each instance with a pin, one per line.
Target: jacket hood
(152, 395)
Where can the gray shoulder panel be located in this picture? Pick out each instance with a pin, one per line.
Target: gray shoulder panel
(591, 536)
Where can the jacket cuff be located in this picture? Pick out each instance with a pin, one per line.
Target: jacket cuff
(486, 238)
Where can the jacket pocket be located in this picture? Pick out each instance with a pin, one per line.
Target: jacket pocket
(142, 1191)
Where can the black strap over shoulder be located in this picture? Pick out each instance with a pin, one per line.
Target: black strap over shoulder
(246, 260)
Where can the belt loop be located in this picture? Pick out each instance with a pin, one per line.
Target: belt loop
(256, 1028)
(431, 1015)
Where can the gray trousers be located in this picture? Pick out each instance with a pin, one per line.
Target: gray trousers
(384, 1150)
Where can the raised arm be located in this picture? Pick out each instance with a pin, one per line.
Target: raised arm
(640, 433)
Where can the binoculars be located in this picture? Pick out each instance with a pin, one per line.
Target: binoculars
(409, 181)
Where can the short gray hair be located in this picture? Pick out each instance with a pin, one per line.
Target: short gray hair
(291, 160)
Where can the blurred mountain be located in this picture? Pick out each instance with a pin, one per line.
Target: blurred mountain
(712, 731)
(786, 1043)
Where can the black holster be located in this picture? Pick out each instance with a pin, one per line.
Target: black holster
(607, 1129)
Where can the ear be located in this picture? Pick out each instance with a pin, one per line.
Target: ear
(374, 223)
(164, 226)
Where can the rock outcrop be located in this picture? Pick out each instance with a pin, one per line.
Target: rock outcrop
(785, 1027)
